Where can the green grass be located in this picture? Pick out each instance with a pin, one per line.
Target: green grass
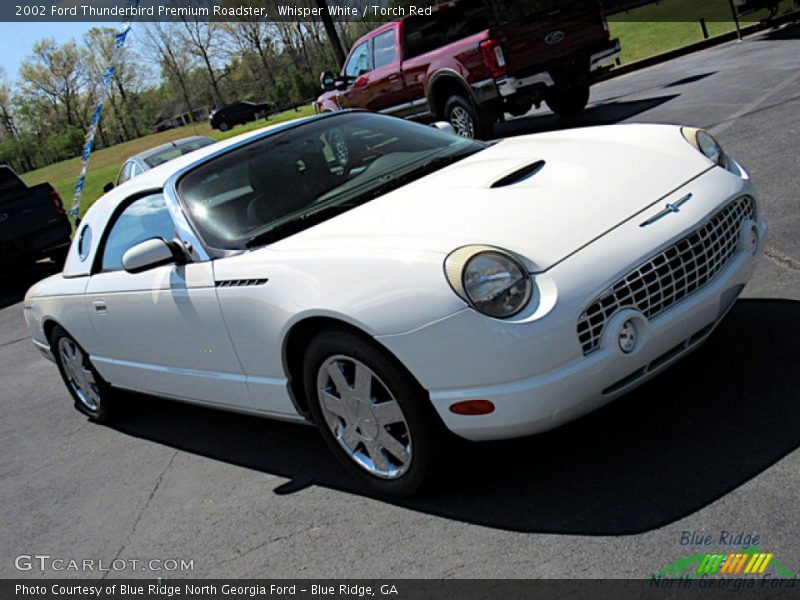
(647, 31)
(641, 40)
(105, 164)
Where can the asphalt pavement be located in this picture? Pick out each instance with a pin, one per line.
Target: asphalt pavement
(711, 446)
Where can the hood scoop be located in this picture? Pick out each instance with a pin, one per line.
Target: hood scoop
(519, 175)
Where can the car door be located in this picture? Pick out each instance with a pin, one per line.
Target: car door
(357, 71)
(242, 113)
(385, 88)
(160, 331)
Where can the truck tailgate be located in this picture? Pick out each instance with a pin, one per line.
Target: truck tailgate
(530, 41)
(24, 213)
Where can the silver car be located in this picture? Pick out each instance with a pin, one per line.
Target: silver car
(149, 159)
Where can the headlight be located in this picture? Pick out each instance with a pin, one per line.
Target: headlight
(706, 144)
(490, 280)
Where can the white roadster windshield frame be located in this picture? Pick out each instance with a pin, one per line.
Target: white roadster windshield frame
(250, 193)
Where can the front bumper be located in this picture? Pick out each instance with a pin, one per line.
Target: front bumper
(534, 370)
(546, 401)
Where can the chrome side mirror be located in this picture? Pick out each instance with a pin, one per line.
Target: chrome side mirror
(444, 126)
(152, 253)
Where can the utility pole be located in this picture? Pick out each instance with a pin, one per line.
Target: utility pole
(736, 20)
(333, 35)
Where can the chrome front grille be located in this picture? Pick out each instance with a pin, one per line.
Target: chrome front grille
(670, 275)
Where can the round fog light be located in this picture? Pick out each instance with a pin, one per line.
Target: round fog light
(751, 237)
(627, 336)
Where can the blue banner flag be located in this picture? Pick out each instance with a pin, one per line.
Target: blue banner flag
(102, 96)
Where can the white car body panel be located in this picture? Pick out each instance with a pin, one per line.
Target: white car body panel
(175, 331)
(529, 394)
(590, 183)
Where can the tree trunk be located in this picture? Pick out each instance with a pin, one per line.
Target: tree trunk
(127, 104)
(213, 79)
(126, 134)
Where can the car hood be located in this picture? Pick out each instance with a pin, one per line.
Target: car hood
(592, 180)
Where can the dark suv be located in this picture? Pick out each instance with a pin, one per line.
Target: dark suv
(239, 113)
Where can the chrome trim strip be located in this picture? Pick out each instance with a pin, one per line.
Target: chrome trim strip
(182, 226)
(402, 107)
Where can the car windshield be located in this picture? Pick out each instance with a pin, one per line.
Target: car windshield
(176, 150)
(286, 181)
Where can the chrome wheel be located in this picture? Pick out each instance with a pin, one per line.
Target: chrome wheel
(365, 418)
(78, 374)
(462, 122)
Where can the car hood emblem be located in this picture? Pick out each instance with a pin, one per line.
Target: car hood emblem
(554, 37)
(670, 207)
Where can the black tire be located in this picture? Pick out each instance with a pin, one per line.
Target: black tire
(99, 407)
(568, 103)
(224, 126)
(466, 119)
(426, 435)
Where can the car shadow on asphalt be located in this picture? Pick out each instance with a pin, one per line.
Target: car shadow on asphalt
(706, 426)
(605, 113)
(14, 283)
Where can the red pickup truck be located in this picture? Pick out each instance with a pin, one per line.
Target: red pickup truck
(465, 65)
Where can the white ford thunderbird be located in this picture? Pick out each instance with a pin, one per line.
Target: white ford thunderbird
(390, 281)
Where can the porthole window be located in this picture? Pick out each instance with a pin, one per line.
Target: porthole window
(85, 242)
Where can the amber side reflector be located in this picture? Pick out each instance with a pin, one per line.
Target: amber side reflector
(472, 407)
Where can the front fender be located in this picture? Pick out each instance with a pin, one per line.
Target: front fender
(378, 291)
(328, 102)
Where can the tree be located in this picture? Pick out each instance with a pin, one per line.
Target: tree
(204, 41)
(252, 35)
(176, 62)
(5, 106)
(57, 74)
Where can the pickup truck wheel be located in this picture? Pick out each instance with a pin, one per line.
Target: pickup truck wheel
(91, 393)
(570, 102)
(461, 114)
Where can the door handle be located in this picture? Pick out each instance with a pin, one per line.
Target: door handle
(100, 307)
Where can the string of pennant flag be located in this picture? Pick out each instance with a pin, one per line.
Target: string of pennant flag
(102, 97)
